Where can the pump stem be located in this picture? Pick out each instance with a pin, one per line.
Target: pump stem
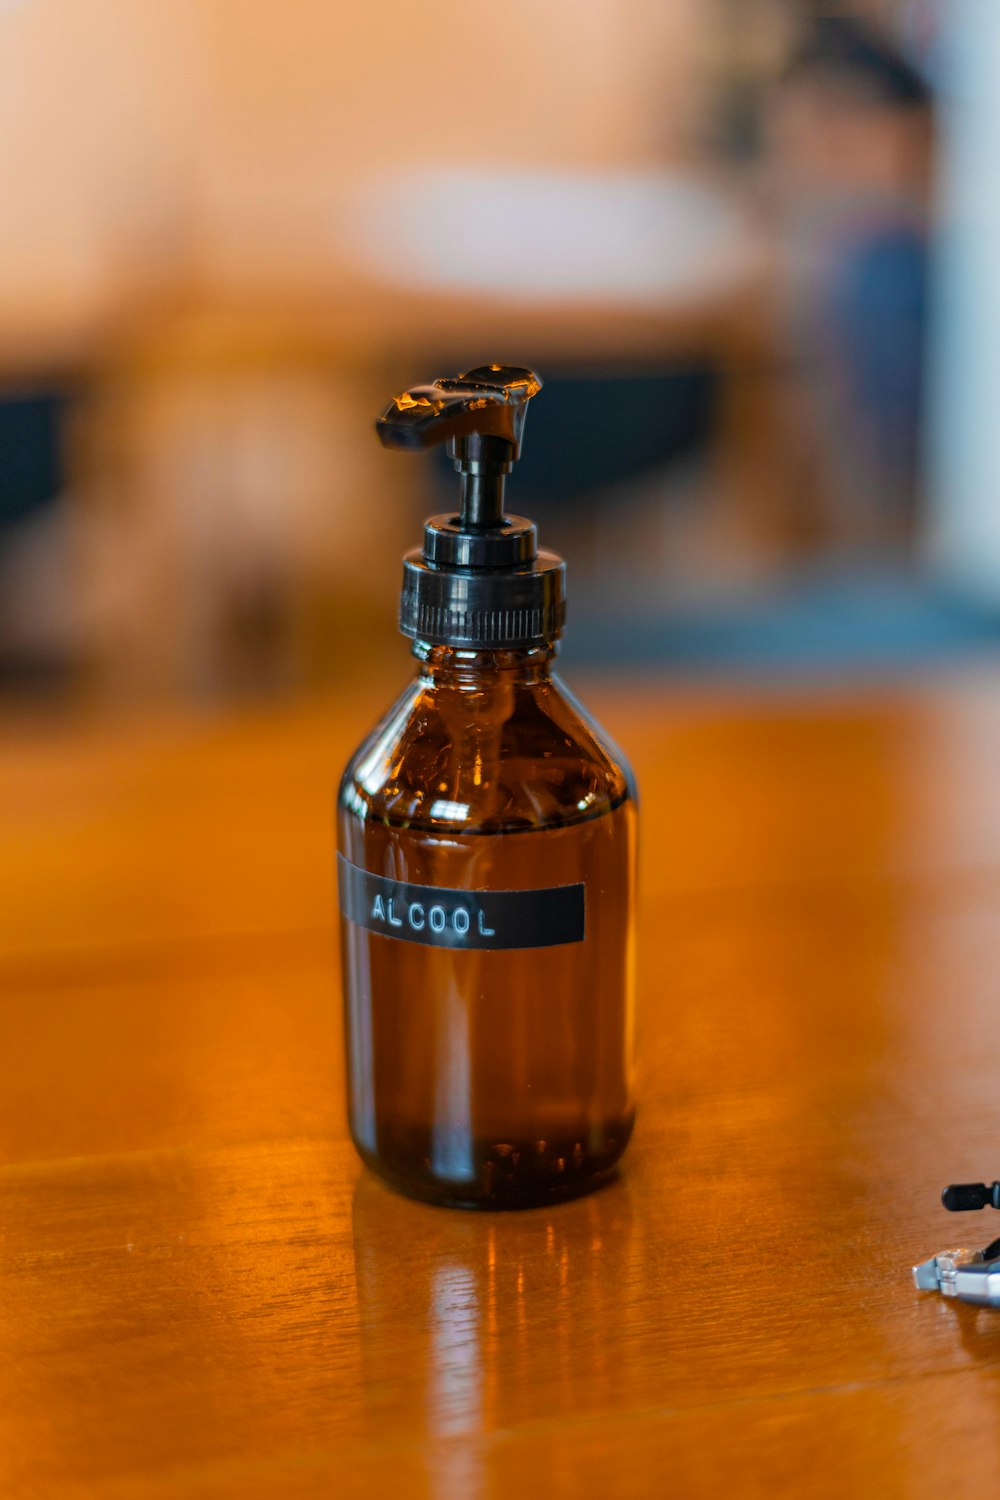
(482, 501)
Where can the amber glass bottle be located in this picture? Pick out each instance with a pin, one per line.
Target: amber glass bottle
(487, 852)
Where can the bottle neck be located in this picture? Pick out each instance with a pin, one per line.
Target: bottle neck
(460, 667)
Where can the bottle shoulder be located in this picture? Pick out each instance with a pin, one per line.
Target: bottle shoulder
(498, 757)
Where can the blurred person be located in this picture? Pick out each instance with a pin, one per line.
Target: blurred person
(848, 133)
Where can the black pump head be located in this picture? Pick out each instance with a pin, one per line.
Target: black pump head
(479, 580)
(490, 401)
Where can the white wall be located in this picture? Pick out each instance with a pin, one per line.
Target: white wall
(147, 145)
(964, 390)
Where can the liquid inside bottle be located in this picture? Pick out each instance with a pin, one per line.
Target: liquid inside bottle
(489, 1076)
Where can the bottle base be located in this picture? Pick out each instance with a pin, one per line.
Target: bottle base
(494, 1175)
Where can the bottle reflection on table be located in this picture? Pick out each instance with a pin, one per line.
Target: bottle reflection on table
(471, 1323)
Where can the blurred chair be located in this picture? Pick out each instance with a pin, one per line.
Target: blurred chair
(35, 580)
(232, 509)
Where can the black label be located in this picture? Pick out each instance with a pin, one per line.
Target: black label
(444, 918)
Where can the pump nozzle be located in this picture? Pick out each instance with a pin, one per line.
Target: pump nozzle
(481, 417)
(490, 401)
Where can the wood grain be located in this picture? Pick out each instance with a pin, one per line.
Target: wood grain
(202, 1293)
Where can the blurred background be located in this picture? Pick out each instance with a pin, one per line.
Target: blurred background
(749, 245)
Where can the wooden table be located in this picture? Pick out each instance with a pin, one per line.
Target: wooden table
(201, 1292)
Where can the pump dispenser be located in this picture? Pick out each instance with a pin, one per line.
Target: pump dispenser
(479, 580)
(487, 853)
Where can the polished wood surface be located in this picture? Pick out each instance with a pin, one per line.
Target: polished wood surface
(201, 1291)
